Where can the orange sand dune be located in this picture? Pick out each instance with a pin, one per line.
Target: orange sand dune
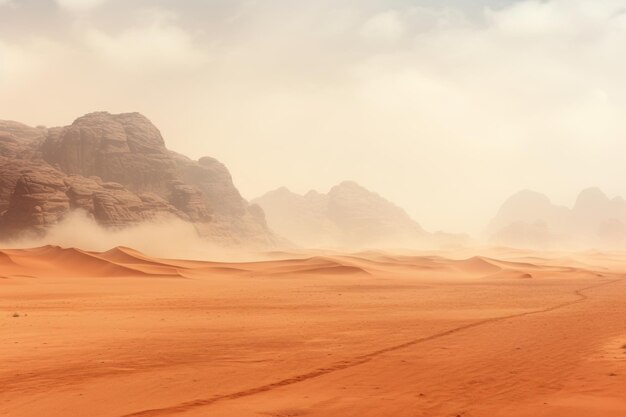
(477, 266)
(51, 261)
(498, 334)
(313, 265)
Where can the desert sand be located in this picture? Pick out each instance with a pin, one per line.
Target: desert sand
(120, 334)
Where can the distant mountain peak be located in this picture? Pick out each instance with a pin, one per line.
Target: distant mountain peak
(528, 197)
(350, 184)
(529, 217)
(348, 215)
(592, 196)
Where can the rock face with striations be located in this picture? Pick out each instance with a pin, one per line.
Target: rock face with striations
(347, 216)
(117, 169)
(125, 148)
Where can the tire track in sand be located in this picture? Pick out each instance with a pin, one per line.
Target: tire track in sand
(357, 360)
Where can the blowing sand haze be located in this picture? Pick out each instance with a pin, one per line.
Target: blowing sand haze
(356, 208)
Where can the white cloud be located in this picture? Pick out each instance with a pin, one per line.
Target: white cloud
(387, 26)
(20, 63)
(78, 6)
(153, 46)
(556, 18)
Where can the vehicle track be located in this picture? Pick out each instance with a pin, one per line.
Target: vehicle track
(357, 360)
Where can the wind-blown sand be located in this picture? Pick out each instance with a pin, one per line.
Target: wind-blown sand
(119, 334)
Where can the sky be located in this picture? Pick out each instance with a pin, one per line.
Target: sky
(444, 107)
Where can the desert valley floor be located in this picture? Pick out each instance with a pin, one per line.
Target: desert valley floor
(119, 334)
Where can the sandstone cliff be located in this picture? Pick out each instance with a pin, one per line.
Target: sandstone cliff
(117, 169)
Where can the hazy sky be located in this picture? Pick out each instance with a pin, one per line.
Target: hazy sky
(444, 107)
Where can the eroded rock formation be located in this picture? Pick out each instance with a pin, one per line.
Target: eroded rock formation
(530, 219)
(117, 169)
(347, 216)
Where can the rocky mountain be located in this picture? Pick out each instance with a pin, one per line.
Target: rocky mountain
(531, 219)
(347, 216)
(116, 168)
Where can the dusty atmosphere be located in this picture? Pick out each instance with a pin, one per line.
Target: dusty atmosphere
(328, 208)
